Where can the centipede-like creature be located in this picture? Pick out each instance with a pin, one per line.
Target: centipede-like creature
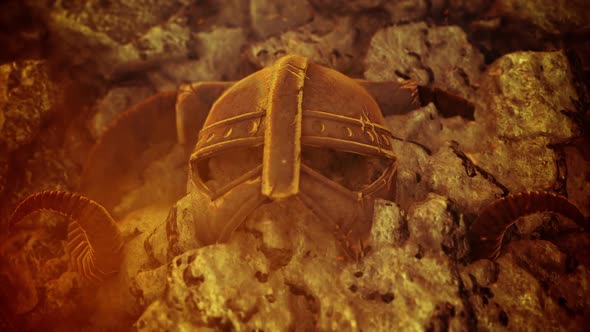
(94, 242)
(486, 234)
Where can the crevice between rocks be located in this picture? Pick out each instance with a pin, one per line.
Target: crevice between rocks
(472, 169)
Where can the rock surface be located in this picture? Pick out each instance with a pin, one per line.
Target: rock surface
(27, 95)
(257, 282)
(547, 84)
(284, 269)
(271, 17)
(553, 17)
(326, 42)
(212, 63)
(438, 56)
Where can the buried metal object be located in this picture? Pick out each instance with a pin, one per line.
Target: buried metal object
(299, 131)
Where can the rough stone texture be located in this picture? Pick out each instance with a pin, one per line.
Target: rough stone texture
(115, 102)
(231, 13)
(521, 165)
(427, 162)
(406, 10)
(239, 270)
(170, 39)
(248, 283)
(390, 225)
(428, 159)
(116, 45)
(446, 175)
(422, 126)
(578, 179)
(46, 168)
(43, 265)
(435, 229)
(397, 11)
(122, 32)
(535, 272)
(32, 157)
(157, 245)
(122, 21)
(52, 290)
(553, 17)
(437, 56)
(27, 95)
(206, 277)
(428, 128)
(392, 279)
(180, 231)
(501, 141)
(528, 85)
(457, 10)
(214, 49)
(326, 42)
(519, 159)
(272, 17)
(85, 43)
(409, 184)
(353, 5)
(33, 278)
(257, 282)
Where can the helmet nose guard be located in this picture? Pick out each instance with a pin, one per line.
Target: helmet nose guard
(282, 136)
(282, 113)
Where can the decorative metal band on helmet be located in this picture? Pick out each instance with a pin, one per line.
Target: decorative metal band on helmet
(244, 130)
(278, 122)
(319, 129)
(347, 134)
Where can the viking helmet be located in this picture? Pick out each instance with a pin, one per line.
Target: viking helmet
(297, 128)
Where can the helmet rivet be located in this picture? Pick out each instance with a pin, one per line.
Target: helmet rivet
(347, 131)
(253, 127)
(210, 137)
(318, 126)
(228, 132)
(385, 140)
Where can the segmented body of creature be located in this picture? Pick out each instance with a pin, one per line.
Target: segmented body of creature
(289, 117)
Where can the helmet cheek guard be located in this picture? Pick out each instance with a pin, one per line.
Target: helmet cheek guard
(293, 130)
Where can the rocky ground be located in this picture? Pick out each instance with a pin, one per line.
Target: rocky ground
(68, 68)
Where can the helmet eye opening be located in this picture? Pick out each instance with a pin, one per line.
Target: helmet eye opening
(353, 171)
(216, 172)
